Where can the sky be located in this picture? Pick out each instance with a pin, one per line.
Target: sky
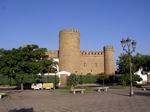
(101, 22)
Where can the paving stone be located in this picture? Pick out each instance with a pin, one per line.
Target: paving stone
(50, 101)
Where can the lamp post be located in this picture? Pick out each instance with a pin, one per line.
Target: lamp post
(129, 46)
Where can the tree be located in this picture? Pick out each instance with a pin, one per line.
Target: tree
(142, 61)
(123, 64)
(29, 61)
(138, 61)
(8, 63)
(24, 63)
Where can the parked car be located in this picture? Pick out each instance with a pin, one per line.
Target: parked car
(37, 86)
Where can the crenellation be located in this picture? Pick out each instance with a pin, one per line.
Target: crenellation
(70, 30)
(108, 47)
(92, 53)
(109, 64)
(52, 54)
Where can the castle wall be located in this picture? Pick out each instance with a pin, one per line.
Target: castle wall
(53, 54)
(92, 62)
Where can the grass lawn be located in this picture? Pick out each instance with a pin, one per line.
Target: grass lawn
(118, 87)
(88, 89)
(62, 90)
(67, 90)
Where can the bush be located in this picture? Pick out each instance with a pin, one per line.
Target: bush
(72, 80)
(81, 79)
(102, 78)
(137, 78)
(124, 79)
(87, 79)
(91, 79)
(112, 79)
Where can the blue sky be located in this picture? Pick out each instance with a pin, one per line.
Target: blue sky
(101, 22)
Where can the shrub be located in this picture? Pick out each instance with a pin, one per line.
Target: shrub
(81, 79)
(102, 78)
(87, 79)
(72, 80)
(124, 79)
(90, 79)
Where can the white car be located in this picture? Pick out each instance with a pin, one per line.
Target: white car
(37, 86)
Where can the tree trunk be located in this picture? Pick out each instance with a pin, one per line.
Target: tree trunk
(103, 82)
(22, 87)
(10, 81)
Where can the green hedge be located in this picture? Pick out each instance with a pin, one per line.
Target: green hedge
(87, 79)
(74, 79)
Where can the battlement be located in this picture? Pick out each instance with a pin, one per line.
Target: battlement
(70, 30)
(109, 47)
(52, 54)
(92, 53)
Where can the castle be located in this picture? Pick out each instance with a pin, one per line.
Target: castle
(72, 60)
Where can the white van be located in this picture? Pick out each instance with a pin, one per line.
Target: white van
(37, 86)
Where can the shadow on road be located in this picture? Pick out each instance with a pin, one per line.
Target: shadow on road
(135, 93)
(22, 110)
(122, 94)
(142, 93)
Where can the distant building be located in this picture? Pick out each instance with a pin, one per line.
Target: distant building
(143, 76)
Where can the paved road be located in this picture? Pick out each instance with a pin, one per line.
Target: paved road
(50, 101)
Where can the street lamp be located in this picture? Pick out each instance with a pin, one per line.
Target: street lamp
(129, 46)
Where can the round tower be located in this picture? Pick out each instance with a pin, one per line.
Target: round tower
(69, 50)
(109, 60)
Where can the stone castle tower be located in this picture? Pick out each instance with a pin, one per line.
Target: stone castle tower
(69, 50)
(72, 60)
(109, 61)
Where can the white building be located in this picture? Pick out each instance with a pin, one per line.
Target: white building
(142, 75)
